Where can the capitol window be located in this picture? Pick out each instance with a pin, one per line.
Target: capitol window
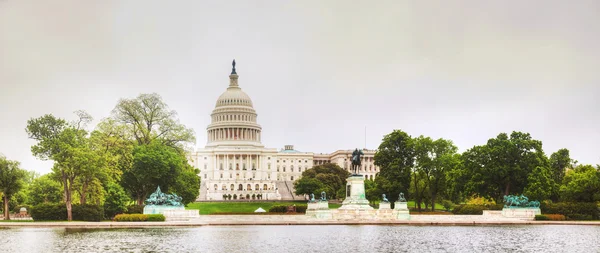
(292, 168)
(283, 168)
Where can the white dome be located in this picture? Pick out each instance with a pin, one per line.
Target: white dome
(234, 96)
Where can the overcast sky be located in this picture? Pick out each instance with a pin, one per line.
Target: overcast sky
(318, 72)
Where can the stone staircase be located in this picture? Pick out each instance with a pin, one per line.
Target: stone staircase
(285, 190)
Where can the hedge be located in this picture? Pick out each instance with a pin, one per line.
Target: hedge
(278, 209)
(139, 217)
(283, 209)
(135, 209)
(573, 210)
(468, 209)
(550, 217)
(86, 212)
(17, 209)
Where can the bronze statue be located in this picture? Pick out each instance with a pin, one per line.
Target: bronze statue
(384, 199)
(356, 160)
(323, 197)
(401, 198)
(312, 198)
(162, 199)
(233, 69)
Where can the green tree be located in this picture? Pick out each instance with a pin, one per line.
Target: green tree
(539, 184)
(149, 119)
(307, 185)
(67, 145)
(154, 164)
(434, 159)
(502, 166)
(582, 184)
(330, 177)
(396, 157)
(11, 181)
(187, 184)
(559, 162)
(45, 190)
(116, 200)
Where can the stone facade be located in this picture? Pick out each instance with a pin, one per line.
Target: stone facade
(235, 162)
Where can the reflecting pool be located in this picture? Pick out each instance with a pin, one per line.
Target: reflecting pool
(527, 238)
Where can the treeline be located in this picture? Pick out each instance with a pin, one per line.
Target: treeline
(433, 170)
(121, 161)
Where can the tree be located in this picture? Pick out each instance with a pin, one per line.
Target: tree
(502, 166)
(559, 162)
(11, 181)
(582, 184)
(396, 157)
(45, 190)
(187, 184)
(434, 159)
(329, 178)
(154, 164)
(539, 184)
(64, 143)
(116, 200)
(149, 119)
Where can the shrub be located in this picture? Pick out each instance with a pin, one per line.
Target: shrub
(278, 209)
(229, 196)
(247, 196)
(468, 209)
(135, 209)
(44, 212)
(131, 217)
(447, 204)
(253, 196)
(116, 200)
(224, 196)
(550, 217)
(87, 212)
(156, 217)
(234, 196)
(301, 208)
(573, 210)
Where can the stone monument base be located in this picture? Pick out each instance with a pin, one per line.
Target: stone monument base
(355, 194)
(524, 213)
(172, 213)
(385, 211)
(401, 211)
(319, 210)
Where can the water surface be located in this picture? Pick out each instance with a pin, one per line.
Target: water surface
(530, 238)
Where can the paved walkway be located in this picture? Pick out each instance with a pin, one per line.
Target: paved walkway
(208, 220)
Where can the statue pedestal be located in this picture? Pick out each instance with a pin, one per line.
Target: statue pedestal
(401, 211)
(172, 213)
(385, 211)
(355, 194)
(319, 210)
(521, 212)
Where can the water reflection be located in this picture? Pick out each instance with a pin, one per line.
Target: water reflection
(305, 239)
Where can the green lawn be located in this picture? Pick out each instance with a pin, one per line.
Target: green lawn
(241, 207)
(411, 204)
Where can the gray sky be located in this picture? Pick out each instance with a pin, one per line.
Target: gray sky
(318, 72)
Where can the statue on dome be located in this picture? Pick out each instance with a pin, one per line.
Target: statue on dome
(356, 160)
(233, 69)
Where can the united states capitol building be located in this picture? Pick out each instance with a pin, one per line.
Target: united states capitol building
(235, 162)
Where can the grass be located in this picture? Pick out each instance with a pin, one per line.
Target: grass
(411, 204)
(16, 220)
(241, 207)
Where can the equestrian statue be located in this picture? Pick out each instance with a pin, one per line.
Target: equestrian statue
(356, 160)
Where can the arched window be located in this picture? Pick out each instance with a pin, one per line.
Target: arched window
(256, 187)
(240, 187)
(277, 168)
(292, 178)
(216, 187)
(232, 187)
(284, 168)
(292, 168)
(248, 187)
(223, 187)
(269, 166)
(221, 175)
(264, 186)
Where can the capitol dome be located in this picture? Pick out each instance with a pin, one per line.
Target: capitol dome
(234, 118)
